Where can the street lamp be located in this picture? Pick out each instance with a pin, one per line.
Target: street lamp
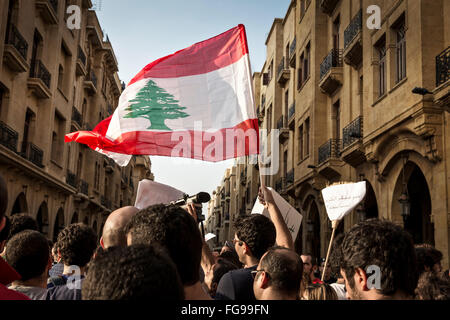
(404, 198)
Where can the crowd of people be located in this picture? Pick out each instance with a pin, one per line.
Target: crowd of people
(160, 252)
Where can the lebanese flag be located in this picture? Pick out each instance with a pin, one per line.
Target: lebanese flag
(196, 103)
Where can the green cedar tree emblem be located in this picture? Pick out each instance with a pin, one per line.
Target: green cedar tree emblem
(155, 104)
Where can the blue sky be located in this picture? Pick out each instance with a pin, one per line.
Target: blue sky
(142, 31)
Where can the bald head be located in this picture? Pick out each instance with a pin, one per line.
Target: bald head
(114, 228)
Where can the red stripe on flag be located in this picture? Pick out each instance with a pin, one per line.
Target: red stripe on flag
(203, 57)
(159, 143)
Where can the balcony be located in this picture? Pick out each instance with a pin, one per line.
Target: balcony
(16, 49)
(290, 179)
(90, 84)
(443, 67)
(81, 63)
(48, 9)
(8, 137)
(109, 165)
(77, 117)
(331, 74)
(282, 125)
(292, 48)
(283, 73)
(39, 80)
(329, 161)
(291, 113)
(327, 6)
(353, 41)
(352, 151)
(84, 187)
(71, 179)
(33, 154)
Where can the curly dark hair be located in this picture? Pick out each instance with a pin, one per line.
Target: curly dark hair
(223, 266)
(432, 286)
(427, 257)
(21, 222)
(173, 228)
(257, 231)
(386, 245)
(284, 268)
(28, 253)
(76, 244)
(132, 273)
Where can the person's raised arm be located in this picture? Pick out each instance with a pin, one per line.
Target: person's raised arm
(208, 260)
(283, 237)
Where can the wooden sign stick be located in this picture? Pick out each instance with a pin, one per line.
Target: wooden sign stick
(334, 225)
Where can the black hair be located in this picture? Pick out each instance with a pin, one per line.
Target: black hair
(76, 244)
(284, 268)
(232, 257)
(223, 267)
(432, 286)
(21, 222)
(383, 244)
(335, 256)
(132, 273)
(28, 253)
(427, 256)
(257, 231)
(173, 228)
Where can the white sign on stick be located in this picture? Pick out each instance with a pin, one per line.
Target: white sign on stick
(341, 199)
(209, 236)
(292, 217)
(150, 192)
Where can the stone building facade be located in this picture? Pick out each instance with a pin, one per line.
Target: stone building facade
(352, 104)
(53, 81)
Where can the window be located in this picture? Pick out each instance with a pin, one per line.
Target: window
(58, 138)
(336, 27)
(337, 120)
(400, 51)
(302, 8)
(2, 93)
(269, 119)
(285, 159)
(96, 175)
(270, 71)
(382, 67)
(26, 130)
(300, 143)
(286, 103)
(79, 165)
(307, 137)
(60, 77)
(306, 63)
(300, 71)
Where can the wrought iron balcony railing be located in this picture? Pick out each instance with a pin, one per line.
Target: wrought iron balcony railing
(332, 60)
(353, 29)
(291, 110)
(76, 117)
(71, 179)
(281, 123)
(15, 39)
(282, 66)
(352, 132)
(8, 137)
(39, 71)
(81, 56)
(290, 178)
(330, 149)
(443, 67)
(93, 79)
(84, 187)
(34, 154)
(292, 48)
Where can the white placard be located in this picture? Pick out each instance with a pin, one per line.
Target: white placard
(341, 199)
(209, 236)
(150, 192)
(291, 216)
